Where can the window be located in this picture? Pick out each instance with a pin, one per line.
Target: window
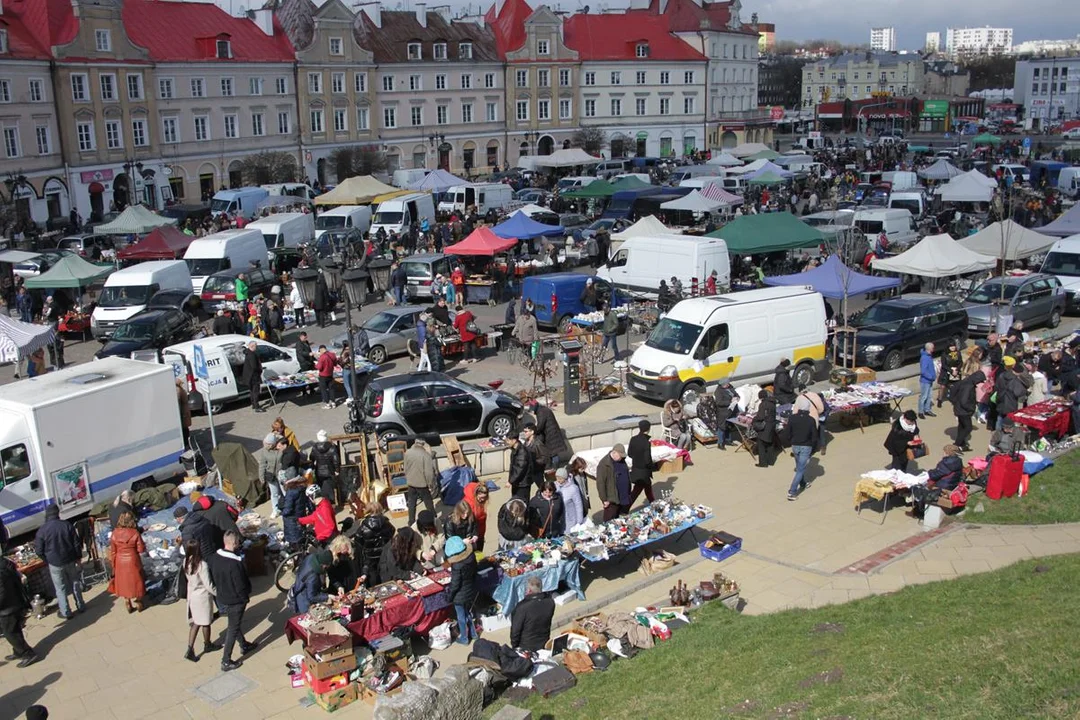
(543, 47)
(360, 82)
(388, 83)
(314, 83)
(522, 78)
(139, 136)
(665, 78)
(438, 51)
(466, 82)
(466, 112)
(281, 85)
(566, 109)
(103, 40)
(316, 117)
(341, 120)
(491, 113)
(642, 50)
(389, 117)
(639, 106)
(688, 106)
(336, 46)
(41, 133)
(11, 142)
(489, 80)
(543, 110)
(114, 139)
(665, 106)
(616, 107)
(78, 88)
(257, 128)
(564, 77)
(202, 128)
(868, 90)
(5, 91)
(415, 51)
(688, 77)
(224, 49)
(337, 83)
(440, 82)
(543, 78)
(465, 51)
(226, 87)
(441, 114)
(414, 83)
(416, 116)
(362, 118)
(198, 88)
(616, 77)
(255, 86)
(590, 78)
(107, 81)
(641, 77)
(522, 110)
(165, 88)
(170, 130)
(85, 133)
(37, 90)
(283, 124)
(16, 463)
(230, 126)
(3, 41)
(590, 108)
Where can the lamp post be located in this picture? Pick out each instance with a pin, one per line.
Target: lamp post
(14, 181)
(531, 136)
(379, 270)
(133, 169)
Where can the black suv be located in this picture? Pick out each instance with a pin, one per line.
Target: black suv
(894, 330)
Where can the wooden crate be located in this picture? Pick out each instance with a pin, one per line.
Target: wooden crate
(454, 453)
(864, 374)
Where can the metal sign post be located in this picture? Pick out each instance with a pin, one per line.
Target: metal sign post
(202, 372)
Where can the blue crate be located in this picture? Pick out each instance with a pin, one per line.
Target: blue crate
(718, 555)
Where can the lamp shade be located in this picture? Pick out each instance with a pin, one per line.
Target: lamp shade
(356, 285)
(379, 269)
(307, 280)
(331, 271)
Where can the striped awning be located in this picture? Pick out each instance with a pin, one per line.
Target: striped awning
(714, 192)
(19, 340)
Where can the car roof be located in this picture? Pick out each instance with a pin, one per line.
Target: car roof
(414, 378)
(424, 257)
(400, 311)
(913, 299)
(1018, 279)
(149, 316)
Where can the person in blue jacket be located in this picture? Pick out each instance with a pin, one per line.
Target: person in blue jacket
(294, 505)
(310, 585)
(927, 376)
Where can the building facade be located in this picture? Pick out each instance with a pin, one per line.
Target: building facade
(933, 43)
(883, 39)
(978, 41)
(946, 79)
(858, 76)
(779, 80)
(1048, 89)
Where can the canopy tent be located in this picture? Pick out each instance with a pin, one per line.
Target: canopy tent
(437, 181)
(982, 179)
(749, 167)
(647, 225)
(358, 190)
(935, 256)
(694, 202)
(1066, 224)
(165, 243)
(747, 149)
(766, 154)
(767, 232)
(785, 160)
(629, 183)
(964, 188)
(71, 271)
(940, 170)
(596, 189)
(20, 340)
(986, 139)
(714, 192)
(834, 279)
(768, 167)
(520, 225)
(769, 178)
(565, 158)
(1007, 240)
(135, 220)
(482, 241)
(724, 159)
(17, 256)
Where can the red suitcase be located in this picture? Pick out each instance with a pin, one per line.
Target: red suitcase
(1005, 474)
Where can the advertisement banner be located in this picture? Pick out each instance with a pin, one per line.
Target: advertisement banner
(72, 487)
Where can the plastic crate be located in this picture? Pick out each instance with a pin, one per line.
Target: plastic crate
(722, 554)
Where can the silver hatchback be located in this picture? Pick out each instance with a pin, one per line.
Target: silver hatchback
(1036, 299)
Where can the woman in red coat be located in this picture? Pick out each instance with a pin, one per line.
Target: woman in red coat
(125, 551)
(462, 318)
(476, 495)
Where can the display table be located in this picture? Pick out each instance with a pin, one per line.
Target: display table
(311, 377)
(675, 532)
(744, 426)
(884, 485)
(859, 399)
(478, 291)
(1049, 417)
(421, 613)
(511, 590)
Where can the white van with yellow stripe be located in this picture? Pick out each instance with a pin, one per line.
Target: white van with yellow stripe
(737, 336)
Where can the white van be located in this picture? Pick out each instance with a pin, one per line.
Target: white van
(1063, 262)
(911, 200)
(736, 337)
(1019, 173)
(1069, 182)
(221, 251)
(396, 214)
(608, 169)
(575, 183)
(484, 196)
(128, 290)
(242, 202)
(734, 184)
(343, 217)
(285, 230)
(898, 225)
(687, 172)
(300, 190)
(642, 262)
(82, 435)
(225, 362)
(404, 178)
(901, 180)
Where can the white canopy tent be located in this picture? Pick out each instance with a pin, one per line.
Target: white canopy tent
(976, 175)
(935, 256)
(438, 181)
(648, 225)
(747, 149)
(20, 340)
(940, 170)
(565, 158)
(724, 159)
(1008, 241)
(752, 167)
(964, 188)
(693, 202)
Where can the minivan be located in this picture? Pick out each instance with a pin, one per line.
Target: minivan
(128, 290)
(556, 297)
(243, 202)
(898, 225)
(85, 245)
(608, 169)
(285, 230)
(642, 262)
(894, 330)
(1035, 299)
(397, 214)
(240, 248)
(690, 171)
(343, 217)
(737, 336)
(912, 201)
(482, 196)
(420, 271)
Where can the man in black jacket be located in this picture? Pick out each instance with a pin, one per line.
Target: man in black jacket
(58, 544)
(724, 396)
(195, 527)
(222, 324)
(803, 430)
(233, 593)
(962, 396)
(306, 359)
(324, 458)
(548, 433)
(13, 610)
(639, 450)
(520, 475)
(783, 387)
(538, 454)
(530, 622)
(251, 375)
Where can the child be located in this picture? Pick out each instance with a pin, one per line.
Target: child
(462, 588)
(294, 505)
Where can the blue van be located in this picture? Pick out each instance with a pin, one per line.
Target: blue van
(557, 297)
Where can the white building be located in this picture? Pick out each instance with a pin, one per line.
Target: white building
(933, 42)
(1048, 88)
(1045, 47)
(978, 41)
(883, 39)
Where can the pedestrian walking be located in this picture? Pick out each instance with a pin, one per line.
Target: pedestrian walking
(348, 370)
(962, 395)
(126, 549)
(927, 375)
(611, 333)
(14, 607)
(803, 431)
(641, 463)
(325, 365)
(58, 544)
(233, 587)
(421, 478)
(200, 600)
(520, 475)
(269, 467)
(251, 374)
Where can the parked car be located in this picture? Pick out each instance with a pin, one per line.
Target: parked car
(573, 221)
(1036, 299)
(894, 330)
(182, 300)
(597, 225)
(435, 403)
(40, 264)
(1071, 134)
(88, 245)
(220, 288)
(389, 332)
(196, 212)
(532, 195)
(149, 329)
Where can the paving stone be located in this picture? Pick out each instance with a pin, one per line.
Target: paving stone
(224, 688)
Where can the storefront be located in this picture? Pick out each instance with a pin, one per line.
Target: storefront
(98, 191)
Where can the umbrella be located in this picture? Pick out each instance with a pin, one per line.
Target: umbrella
(20, 340)
(769, 178)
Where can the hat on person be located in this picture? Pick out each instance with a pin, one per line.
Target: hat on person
(561, 474)
(644, 425)
(425, 520)
(619, 449)
(1009, 360)
(321, 436)
(180, 512)
(270, 440)
(324, 558)
(53, 511)
(454, 546)
(37, 712)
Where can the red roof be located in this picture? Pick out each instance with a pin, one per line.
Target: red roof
(509, 25)
(616, 37)
(172, 31)
(38, 25)
(482, 242)
(687, 16)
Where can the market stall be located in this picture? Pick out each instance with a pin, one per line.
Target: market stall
(357, 190)
(835, 280)
(311, 377)
(866, 401)
(885, 486)
(1065, 225)
(1006, 240)
(480, 242)
(1050, 417)
(163, 243)
(662, 452)
(646, 526)
(767, 232)
(19, 340)
(937, 256)
(520, 226)
(552, 561)
(134, 220)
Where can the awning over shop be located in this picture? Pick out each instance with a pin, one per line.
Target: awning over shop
(935, 256)
(724, 159)
(647, 225)
(715, 192)
(940, 170)
(629, 183)
(17, 256)
(767, 232)
(438, 181)
(964, 188)
(834, 279)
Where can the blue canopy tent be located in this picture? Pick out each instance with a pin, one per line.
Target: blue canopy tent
(438, 181)
(520, 225)
(835, 280)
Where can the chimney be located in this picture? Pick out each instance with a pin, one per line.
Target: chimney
(374, 13)
(421, 14)
(263, 19)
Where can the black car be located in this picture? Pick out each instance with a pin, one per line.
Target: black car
(894, 330)
(149, 330)
(220, 288)
(183, 300)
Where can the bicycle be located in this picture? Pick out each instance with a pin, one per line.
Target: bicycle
(289, 566)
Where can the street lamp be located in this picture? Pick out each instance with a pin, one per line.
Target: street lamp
(133, 168)
(379, 269)
(531, 137)
(14, 181)
(307, 282)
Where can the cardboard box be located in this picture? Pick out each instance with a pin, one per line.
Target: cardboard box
(371, 697)
(491, 623)
(675, 465)
(325, 684)
(322, 669)
(864, 374)
(336, 699)
(329, 641)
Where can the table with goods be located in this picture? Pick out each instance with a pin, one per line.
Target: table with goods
(307, 378)
(1051, 417)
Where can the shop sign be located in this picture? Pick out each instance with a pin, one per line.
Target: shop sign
(935, 108)
(100, 176)
(642, 135)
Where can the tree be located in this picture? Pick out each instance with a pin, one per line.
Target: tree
(268, 168)
(355, 160)
(590, 139)
(991, 72)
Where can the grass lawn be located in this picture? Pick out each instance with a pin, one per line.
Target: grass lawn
(1053, 497)
(996, 645)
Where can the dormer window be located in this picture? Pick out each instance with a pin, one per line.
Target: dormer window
(103, 40)
(642, 50)
(465, 51)
(415, 51)
(543, 47)
(439, 51)
(224, 49)
(336, 47)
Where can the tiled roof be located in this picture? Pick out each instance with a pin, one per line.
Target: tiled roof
(883, 59)
(688, 16)
(389, 43)
(297, 18)
(44, 23)
(509, 25)
(616, 37)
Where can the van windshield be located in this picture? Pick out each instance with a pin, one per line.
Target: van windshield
(220, 206)
(1062, 263)
(329, 222)
(124, 296)
(387, 218)
(271, 240)
(201, 267)
(674, 336)
(912, 206)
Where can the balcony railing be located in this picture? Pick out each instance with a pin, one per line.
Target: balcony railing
(742, 115)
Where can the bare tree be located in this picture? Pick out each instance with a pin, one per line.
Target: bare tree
(268, 167)
(590, 139)
(355, 160)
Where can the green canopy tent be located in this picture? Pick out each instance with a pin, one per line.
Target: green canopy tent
(767, 178)
(767, 232)
(765, 154)
(986, 139)
(135, 220)
(70, 271)
(629, 183)
(598, 189)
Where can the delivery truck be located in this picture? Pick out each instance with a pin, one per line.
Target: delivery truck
(80, 436)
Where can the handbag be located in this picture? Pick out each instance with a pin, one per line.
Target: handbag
(472, 327)
(959, 495)
(915, 452)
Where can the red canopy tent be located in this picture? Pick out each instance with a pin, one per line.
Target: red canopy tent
(481, 242)
(163, 243)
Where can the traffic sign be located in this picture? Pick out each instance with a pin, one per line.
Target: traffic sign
(1027, 142)
(198, 359)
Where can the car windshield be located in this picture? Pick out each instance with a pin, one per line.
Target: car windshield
(882, 316)
(124, 296)
(387, 218)
(219, 206)
(674, 336)
(220, 284)
(201, 267)
(329, 222)
(134, 331)
(1062, 263)
(992, 291)
(380, 323)
(417, 270)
